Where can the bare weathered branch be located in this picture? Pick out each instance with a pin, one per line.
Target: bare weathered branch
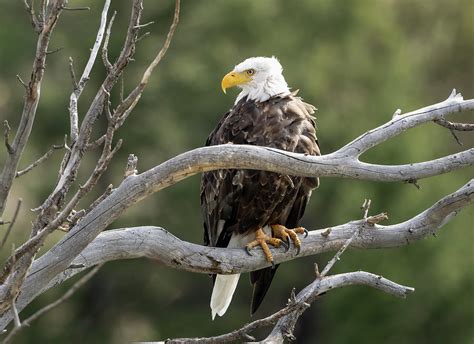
(286, 324)
(283, 330)
(338, 164)
(357, 147)
(300, 303)
(48, 220)
(31, 100)
(69, 172)
(54, 211)
(162, 246)
(343, 163)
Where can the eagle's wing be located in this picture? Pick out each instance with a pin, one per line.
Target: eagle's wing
(308, 144)
(223, 193)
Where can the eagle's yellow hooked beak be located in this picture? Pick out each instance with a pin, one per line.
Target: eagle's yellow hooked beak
(234, 79)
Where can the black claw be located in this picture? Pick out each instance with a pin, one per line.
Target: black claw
(298, 249)
(273, 264)
(305, 232)
(248, 251)
(286, 243)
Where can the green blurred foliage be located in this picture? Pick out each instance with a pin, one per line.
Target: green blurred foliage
(357, 61)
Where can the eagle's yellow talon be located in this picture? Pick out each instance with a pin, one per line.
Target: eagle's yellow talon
(301, 230)
(263, 240)
(280, 231)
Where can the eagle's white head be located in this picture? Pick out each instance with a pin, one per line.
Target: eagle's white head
(259, 78)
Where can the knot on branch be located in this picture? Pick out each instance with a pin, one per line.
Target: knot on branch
(131, 168)
(375, 219)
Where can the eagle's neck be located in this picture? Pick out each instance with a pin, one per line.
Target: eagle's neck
(262, 90)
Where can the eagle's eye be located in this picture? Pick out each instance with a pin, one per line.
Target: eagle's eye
(250, 71)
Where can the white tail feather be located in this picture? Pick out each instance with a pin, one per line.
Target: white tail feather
(224, 288)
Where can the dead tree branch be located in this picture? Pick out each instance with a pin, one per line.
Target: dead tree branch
(302, 302)
(31, 99)
(85, 245)
(160, 245)
(55, 210)
(342, 163)
(287, 317)
(284, 328)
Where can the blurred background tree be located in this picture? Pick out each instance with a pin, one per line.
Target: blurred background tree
(357, 61)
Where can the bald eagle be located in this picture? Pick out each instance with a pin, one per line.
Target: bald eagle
(251, 208)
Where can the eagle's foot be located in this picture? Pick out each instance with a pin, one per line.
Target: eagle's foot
(285, 234)
(263, 240)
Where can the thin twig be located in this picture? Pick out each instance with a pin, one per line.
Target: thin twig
(96, 143)
(126, 106)
(72, 73)
(106, 193)
(6, 136)
(454, 125)
(141, 26)
(43, 13)
(33, 17)
(27, 322)
(85, 8)
(16, 317)
(105, 47)
(20, 80)
(50, 52)
(39, 161)
(121, 87)
(366, 206)
(337, 256)
(455, 137)
(12, 222)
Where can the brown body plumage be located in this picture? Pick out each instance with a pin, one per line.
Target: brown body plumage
(250, 199)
